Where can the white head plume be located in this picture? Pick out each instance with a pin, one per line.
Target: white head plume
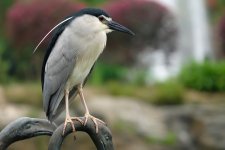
(50, 32)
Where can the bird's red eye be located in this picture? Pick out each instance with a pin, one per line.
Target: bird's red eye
(101, 18)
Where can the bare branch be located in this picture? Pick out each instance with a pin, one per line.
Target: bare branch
(102, 139)
(24, 128)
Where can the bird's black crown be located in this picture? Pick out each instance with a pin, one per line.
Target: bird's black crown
(91, 11)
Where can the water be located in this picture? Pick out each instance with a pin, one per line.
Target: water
(193, 39)
(194, 30)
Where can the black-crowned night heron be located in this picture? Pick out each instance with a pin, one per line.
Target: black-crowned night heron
(76, 44)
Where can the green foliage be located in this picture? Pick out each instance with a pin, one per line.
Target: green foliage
(216, 8)
(170, 139)
(104, 72)
(4, 5)
(93, 2)
(208, 76)
(124, 127)
(118, 89)
(131, 90)
(137, 77)
(3, 63)
(168, 93)
(23, 65)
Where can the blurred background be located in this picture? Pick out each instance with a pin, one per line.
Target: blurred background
(163, 89)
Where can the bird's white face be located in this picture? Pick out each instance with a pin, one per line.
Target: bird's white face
(88, 24)
(103, 21)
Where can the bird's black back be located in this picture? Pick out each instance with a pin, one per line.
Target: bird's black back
(58, 31)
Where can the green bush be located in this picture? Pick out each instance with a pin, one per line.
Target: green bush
(170, 139)
(105, 72)
(168, 93)
(118, 89)
(93, 2)
(4, 65)
(208, 76)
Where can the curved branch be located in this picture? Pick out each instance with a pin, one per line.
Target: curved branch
(102, 139)
(24, 128)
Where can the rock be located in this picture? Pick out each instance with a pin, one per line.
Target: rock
(212, 121)
(195, 126)
(198, 127)
(2, 96)
(146, 119)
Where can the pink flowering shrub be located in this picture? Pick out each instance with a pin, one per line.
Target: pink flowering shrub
(221, 37)
(27, 23)
(153, 24)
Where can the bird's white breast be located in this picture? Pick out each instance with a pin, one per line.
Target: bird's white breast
(88, 48)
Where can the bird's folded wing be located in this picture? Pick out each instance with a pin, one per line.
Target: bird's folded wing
(58, 68)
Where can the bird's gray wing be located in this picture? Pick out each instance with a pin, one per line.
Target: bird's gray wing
(58, 68)
(56, 34)
(72, 95)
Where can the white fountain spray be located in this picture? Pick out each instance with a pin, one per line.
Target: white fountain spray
(193, 41)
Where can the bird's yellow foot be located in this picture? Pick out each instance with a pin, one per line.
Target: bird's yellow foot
(70, 120)
(94, 119)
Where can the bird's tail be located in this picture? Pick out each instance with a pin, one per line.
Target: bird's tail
(53, 115)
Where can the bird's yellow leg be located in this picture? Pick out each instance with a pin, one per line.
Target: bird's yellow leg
(87, 114)
(69, 119)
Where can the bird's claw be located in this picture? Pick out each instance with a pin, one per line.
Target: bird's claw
(94, 119)
(70, 120)
(77, 119)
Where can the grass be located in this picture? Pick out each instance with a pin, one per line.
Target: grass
(207, 76)
(24, 93)
(123, 127)
(127, 129)
(120, 89)
(161, 94)
(168, 93)
(170, 139)
(103, 73)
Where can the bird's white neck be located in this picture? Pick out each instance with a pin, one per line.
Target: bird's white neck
(90, 42)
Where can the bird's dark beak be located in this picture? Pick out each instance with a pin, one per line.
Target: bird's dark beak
(118, 27)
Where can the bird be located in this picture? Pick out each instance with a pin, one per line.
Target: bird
(75, 46)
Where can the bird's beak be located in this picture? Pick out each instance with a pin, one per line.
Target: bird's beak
(118, 27)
